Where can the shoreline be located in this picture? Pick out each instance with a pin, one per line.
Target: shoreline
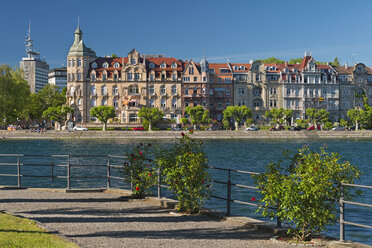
(223, 134)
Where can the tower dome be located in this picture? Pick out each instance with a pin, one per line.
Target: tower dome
(204, 65)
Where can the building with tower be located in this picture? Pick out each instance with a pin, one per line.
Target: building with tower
(35, 70)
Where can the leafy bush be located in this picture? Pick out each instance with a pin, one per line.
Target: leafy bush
(140, 170)
(184, 166)
(249, 121)
(306, 193)
(328, 125)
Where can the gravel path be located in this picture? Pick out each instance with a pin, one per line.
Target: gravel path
(108, 220)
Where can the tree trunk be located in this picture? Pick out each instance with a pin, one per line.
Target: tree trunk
(57, 126)
(356, 125)
(236, 126)
(104, 126)
(150, 126)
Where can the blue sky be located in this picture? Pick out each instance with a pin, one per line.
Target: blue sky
(238, 30)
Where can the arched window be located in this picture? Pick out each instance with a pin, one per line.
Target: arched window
(163, 65)
(174, 103)
(115, 102)
(152, 103)
(72, 90)
(162, 103)
(104, 102)
(162, 90)
(133, 90)
(116, 65)
(69, 63)
(174, 90)
(79, 102)
(151, 90)
(94, 65)
(242, 67)
(92, 77)
(152, 65)
(174, 65)
(93, 102)
(79, 63)
(115, 90)
(104, 90)
(174, 76)
(78, 76)
(105, 65)
(133, 61)
(93, 90)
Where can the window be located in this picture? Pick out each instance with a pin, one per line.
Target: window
(174, 90)
(257, 103)
(204, 103)
(186, 104)
(79, 102)
(115, 102)
(69, 63)
(211, 71)
(186, 79)
(174, 76)
(241, 91)
(162, 103)
(78, 76)
(195, 91)
(152, 103)
(94, 65)
(227, 103)
(163, 76)
(228, 80)
(133, 61)
(191, 70)
(228, 92)
(104, 76)
(133, 90)
(79, 62)
(151, 77)
(133, 117)
(72, 90)
(73, 63)
(163, 65)
(130, 76)
(162, 90)
(115, 76)
(104, 102)
(204, 79)
(116, 65)
(186, 91)
(92, 77)
(211, 92)
(242, 67)
(105, 65)
(151, 90)
(224, 70)
(174, 103)
(195, 103)
(152, 65)
(93, 90)
(104, 90)
(115, 90)
(256, 92)
(174, 65)
(93, 102)
(137, 76)
(195, 79)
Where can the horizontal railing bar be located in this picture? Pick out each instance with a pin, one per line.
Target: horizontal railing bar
(11, 155)
(357, 185)
(87, 156)
(218, 197)
(357, 203)
(117, 166)
(246, 203)
(36, 176)
(216, 181)
(243, 186)
(8, 175)
(8, 163)
(164, 186)
(97, 165)
(356, 224)
(239, 171)
(217, 168)
(89, 177)
(118, 178)
(116, 156)
(56, 165)
(45, 156)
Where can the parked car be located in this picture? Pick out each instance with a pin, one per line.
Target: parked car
(280, 128)
(139, 128)
(339, 128)
(252, 128)
(313, 128)
(192, 128)
(80, 128)
(176, 128)
(295, 128)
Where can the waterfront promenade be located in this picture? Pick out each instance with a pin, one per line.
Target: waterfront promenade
(223, 134)
(114, 220)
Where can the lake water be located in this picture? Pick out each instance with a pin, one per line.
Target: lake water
(250, 155)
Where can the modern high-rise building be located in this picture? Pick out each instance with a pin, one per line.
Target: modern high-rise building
(58, 77)
(35, 69)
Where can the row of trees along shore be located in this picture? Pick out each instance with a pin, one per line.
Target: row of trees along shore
(17, 103)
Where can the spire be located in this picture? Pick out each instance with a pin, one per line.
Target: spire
(204, 65)
(78, 34)
(31, 53)
(78, 48)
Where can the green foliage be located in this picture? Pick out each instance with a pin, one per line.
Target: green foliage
(237, 114)
(317, 116)
(328, 125)
(103, 113)
(184, 166)
(184, 121)
(249, 121)
(356, 116)
(336, 62)
(140, 170)
(149, 116)
(368, 111)
(198, 115)
(272, 60)
(306, 193)
(343, 122)
(58, 113)
(295, 61)
(279, 115)
(226, 123)
(14, 95)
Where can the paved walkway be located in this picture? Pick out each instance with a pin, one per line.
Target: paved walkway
(108, 220)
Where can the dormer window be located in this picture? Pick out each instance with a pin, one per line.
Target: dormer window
(235, 67)
(94, 65)
(163, 65)
(116, 65)
(133, 61)
(105, 65)
(174, 65)
(242, 67)
(152, 65)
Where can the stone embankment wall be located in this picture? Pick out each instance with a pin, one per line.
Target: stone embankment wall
(241, 134)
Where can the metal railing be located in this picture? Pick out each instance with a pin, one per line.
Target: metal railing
(342, 209)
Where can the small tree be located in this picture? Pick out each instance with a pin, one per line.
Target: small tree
(317, 116)
(185, 168)
(103, 113)
(183, 121)
(58, 114)
(356, 116)
(150, 115)
(288, 114)
(306, 193)
(197, 115)
(277, 115)
(237, 114)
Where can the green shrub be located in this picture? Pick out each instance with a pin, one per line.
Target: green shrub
(306, 193)
(249, 121)
(184, 166)
(140, 170)
(328, 125)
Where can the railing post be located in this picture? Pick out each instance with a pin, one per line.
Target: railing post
(131, 181)
(19, 171)
(68, 172)
(228, 206)
(159, 181)
(342, 215)
(108, 173)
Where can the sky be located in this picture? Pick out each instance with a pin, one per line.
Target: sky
(221, 30)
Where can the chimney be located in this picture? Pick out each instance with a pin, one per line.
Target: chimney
(346, 65)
